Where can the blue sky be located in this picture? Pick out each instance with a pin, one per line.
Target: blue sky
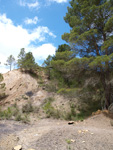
(36, 25)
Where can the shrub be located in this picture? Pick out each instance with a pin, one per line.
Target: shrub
(18, 117)
(51, 87)
(2, 85)
(50, 110)
(27, 108)
(2, 96)
(1, 77)
(70, 93)
(6, 114)
(68, 141)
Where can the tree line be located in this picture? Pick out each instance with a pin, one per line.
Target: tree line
(86, 60)
(25, 61)
(88, 53)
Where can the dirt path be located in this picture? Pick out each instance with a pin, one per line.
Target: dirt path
(95, 133)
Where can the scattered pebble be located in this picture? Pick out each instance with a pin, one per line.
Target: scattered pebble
(19, 147)
(71, 122)
(92, 133)
(72, 140)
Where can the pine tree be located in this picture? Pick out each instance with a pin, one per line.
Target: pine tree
(26, 61)
(10, 61)
(91, 36)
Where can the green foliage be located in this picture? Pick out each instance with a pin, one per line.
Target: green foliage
(21, 57)
(70, 93)
(26, 61)
(50, 110)
(27, 108)
(18, 117)
(63, 48)
(2, 85)
(6, 114)
(24, 118)
(2, 96)
(2, 88)
(13, 112)
(57, 113)
(90, 36)
(51, 87)
(68, 141)
(1, 77)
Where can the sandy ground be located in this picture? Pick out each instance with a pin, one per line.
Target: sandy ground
(94, 133)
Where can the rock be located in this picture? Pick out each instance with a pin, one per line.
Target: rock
(19, 147)
(92, 133)
(72, 140)
(31, 149)
(71, 122)
(79, 131)
(111, 108)
(97, 112)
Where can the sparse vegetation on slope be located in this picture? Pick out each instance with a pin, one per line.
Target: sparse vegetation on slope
(2, 88)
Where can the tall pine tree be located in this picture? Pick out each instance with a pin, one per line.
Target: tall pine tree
(91, 36)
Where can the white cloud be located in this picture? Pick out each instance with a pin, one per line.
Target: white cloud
(13, 38)
(31, 21)
(3, 69)
(29, 5)
(42, 52)
(58, 1)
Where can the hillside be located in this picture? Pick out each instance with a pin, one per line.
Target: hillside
(41, 131)
(23, 89)
(17, 84)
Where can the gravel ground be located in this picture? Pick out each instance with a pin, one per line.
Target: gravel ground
(95, 133)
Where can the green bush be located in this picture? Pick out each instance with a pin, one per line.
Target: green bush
(68, 92)
(27, 108)
(18, 117)
(13, 111)
(24, 118)
(6, 114)
(2, 96)
(51, 87)
(50, 110)
(2, 85)
(1, 77)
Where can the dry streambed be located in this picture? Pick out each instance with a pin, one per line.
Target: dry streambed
(95, 133)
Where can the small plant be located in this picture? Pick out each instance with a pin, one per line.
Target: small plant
(2, 85)
(27, 108)
(1, 77)
(25, 119)
(6, 114)
(18, 117)
(13, 112)
(68, 92)
(68, 141)
(51, 87)
(24, 97)
(2, 96)
(50, 110)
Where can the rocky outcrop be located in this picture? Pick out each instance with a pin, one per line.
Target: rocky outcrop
(111, 108)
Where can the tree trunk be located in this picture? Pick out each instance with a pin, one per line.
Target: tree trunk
(10, 67)
(107, 88)
(107, 96)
